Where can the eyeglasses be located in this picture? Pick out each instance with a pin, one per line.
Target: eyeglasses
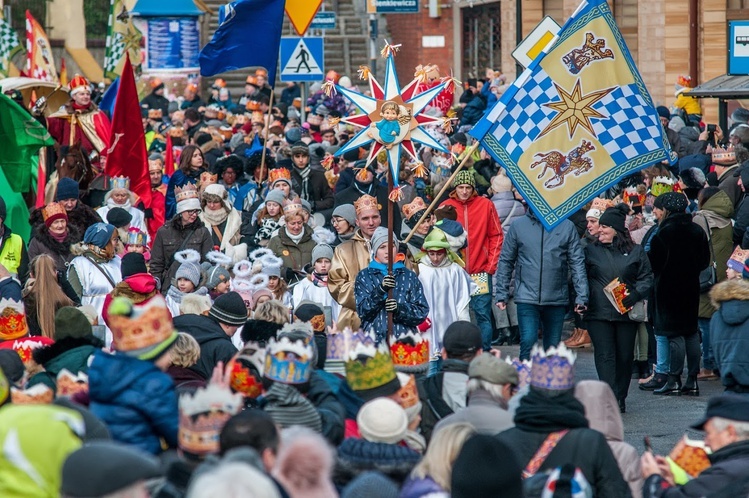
(193, 211)
(336, 221)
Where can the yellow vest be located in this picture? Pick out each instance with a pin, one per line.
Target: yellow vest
(10, 257)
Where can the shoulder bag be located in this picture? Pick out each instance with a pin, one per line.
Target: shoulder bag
(639, 312)
(709, 276)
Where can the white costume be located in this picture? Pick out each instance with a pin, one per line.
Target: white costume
(447, 289)
(305, 290)
(138, 221)
(95, 284)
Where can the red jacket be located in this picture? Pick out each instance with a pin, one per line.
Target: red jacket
(158, 211)
(479, 218)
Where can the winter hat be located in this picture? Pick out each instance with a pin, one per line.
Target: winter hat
(693, 178)
(371, 483)
(740, 115)
(475, 472)
(347, 212)
(322, 251)
(300, 148)
(382, 420)
(663, 112)
(501, 183)
(489, 368)
(132, 264)
(11, 365)
(615, 217)
(98, 234)
(230, 309)
(699, 161)
(744, 175)
(379, 237)
(70, 322)
(189, 267)
(53, 212)
(67, 188)
(262, 291)
(271, 265)
(673, 202)
(311, 313)
(464, 178)
(276, 196)
(351, 155)
(119, 217)
(294, 135)
(216, 275)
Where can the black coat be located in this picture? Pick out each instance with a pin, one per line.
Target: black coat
(320, 195)
(168, 241)
(215, 345)
(433, 406)
(332, 413)
(377, 190)
(678, 253)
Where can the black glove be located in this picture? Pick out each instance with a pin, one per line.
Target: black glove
(391, 305)
(631, 299)
(388, 283)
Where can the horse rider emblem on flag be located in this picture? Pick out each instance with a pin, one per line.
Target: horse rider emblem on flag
(577, 120)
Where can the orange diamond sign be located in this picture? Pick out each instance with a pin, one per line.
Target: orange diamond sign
(301, 13)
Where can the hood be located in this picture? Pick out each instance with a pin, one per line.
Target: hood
(203, 328)
(454, 195)
(601, 408)
(111, 374)
(82, 346)
(731, 297)
(719, 204)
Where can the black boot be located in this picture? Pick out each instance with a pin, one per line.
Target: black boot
(514, 336)
(670, 388)
(658, 381)
(622, 406)
(690, 386)
(643, 368)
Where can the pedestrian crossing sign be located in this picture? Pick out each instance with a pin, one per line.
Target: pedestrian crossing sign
(302, 59)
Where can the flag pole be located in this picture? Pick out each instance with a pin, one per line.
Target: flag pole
(391, 205)
(265, 139)
(468, 152)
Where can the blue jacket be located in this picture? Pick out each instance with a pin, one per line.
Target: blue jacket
(370, 301)
(729, 332)
(135, 399)
(178, 179)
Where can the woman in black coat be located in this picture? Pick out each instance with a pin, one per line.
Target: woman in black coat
(679, 251)
(614, 255)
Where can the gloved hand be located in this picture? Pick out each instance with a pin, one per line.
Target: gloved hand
(391, 305)
(388, 283)
(632, 298)
(39, 106)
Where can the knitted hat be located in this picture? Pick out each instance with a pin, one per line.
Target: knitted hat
(663, 112)
(294, 135)
(70, 322)
(475, 472)
(230, 309)
(187, 198)
(371, 483)
(52, 212)
(276, 196)
(501, 183)
(382, 420)
(311, 313)
(12, 366)
(673, 202)
(132, 264)
(347, 212)
(615, 217)
(67, 188)
(216, 275)
(379, 237)
(464, 178)
(693, 178)
(98, 234)
(189, 267)
(322, 251)
(119, 217)
(143, 330)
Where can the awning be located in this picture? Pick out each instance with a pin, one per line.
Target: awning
(159, 8)
(723, 87)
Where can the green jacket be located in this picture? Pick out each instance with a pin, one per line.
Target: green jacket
(71, 354)
(716, 213)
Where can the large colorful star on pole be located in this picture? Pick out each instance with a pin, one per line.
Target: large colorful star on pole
(392, 117)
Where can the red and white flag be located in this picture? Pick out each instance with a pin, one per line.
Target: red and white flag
(40, 63)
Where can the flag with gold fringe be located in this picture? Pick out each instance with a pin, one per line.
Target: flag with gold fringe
(577, 120)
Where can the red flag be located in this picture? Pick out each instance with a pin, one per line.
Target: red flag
(169, 157)
(127, 155)
(41, 179)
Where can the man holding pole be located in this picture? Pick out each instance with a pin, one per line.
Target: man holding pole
(479, 218)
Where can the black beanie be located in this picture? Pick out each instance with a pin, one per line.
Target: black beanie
(475, 472)
(230, 309)
(11, 365)
(119, 217)
(615, 217)
(133, 263)
(673, 202)
(310, 312)
(351, 155)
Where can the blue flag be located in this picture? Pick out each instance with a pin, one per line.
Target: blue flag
(577, 120)
(109, 98)
(248, 34)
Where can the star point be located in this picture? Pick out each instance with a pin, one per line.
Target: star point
(575, 109)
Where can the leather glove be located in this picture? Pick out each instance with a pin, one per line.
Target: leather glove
(391, 305)
(630, 300)
(388, 283)
(39, 106)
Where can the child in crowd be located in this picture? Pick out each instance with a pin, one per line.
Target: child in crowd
(186, 281)
(268, 218)
(136, 242)
(315, 287)
(217, 276)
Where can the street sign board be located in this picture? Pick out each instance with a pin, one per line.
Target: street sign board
(392, 6)
(738, 47)
(536, 41)
(302, 58)
(324, 20)
(301, 13)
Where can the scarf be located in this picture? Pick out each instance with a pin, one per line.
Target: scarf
(318, 280)
(215, 216)
(177, 294)
(304, 173)
(541, 413)
(364, 188)
(60, 237)
(346, 236)
(126, 206)
(383, 268)
(294, 238)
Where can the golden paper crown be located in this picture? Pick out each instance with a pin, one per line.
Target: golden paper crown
(155, 114)
(135, 237)
(553, 369)
(176, 132)
(414, 207)
(54, 211)
(68, 385)
(278, 174)
(369, 368)
(120, 182)
(601, 204)
(408, 395)
(207, 178)
(203, 415)
(287, 361)
(40, 394)
(365, 203)
(726, 157)
(292, 206)
(12, 320)
(136, 327)
(188, 191)
(410, 358)
(684, 81)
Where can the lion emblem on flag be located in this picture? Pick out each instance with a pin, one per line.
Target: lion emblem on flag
(562, 165)
(591, 51)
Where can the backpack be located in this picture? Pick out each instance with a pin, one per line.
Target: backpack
(567, 481)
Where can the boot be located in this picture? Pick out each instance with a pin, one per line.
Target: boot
(583, 340)
(643, 369)
(622, 406)
(690, 386)
(514, 336)
(658, 381)
(671, 388)
(573, 338)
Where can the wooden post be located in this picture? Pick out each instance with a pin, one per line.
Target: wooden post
(391, 254)
(265, 139)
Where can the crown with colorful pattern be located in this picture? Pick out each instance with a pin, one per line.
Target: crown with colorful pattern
(724, 156)
(188, 191)
(366, 203)
(339, 343)
(207, 178)
(12, 320)
(202, 416)
(277, 174)
(661, 185)
(410, 352)
(369, 368)
(292, 206)
(39, 394)
(122, 182)
(68, 384)
(26, 346)
(78, 84)
(408, 395)
(416, 206)
(553, 369)
(54, 211)
(135, 237)
(287, 361)
(523, 368)
(144, 330)
(245, 378)
(635, 195)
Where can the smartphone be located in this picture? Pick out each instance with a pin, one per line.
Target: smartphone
(648, 446)
(711, 134)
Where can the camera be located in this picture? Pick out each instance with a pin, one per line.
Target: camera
(711, 128)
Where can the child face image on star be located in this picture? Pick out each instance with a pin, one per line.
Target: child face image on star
(390, 111)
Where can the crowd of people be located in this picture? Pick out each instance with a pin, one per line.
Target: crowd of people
(260, 330)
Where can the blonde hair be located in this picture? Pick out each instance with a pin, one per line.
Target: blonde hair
(442, 452)
(47, 293)
(194, 304)
(392, 106)
(185, 351)
(272, 311)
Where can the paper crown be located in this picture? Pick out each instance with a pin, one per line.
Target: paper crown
(366, 202)
(244, 376)
(207, 178)
(188, 191)
(143, 329)
(724, 156)
(77, 84)
(683, 80)
(279, 174)
(26, 346)
(4, 388)
(122, 182)
(40, 394)
(176, 132)
(54, 211)
(12, 320)
(414, 207)
(553, 369)
(155, 114)
(661, 185)
(292, 206)
(202, 416)
(737, 259)
(408, 394)
(601, 204)
(135, 237)
(523, 368)
(287, 361)
(410, 353)
(68, 384)
(369, 368)
(634, 195)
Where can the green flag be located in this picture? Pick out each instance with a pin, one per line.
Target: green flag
(21, 136)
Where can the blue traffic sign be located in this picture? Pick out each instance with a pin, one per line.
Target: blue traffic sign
(324, 20)
(302, 58)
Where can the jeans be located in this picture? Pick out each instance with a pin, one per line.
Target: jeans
(530, 316)
(708, 360)
(613, 345)
(435, 366)
(689, 346)
(663, 354)
(481, 306)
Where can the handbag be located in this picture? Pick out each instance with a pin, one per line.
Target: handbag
(639, 312)
(709, 276)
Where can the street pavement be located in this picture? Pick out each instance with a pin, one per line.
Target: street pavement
(665, 419)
